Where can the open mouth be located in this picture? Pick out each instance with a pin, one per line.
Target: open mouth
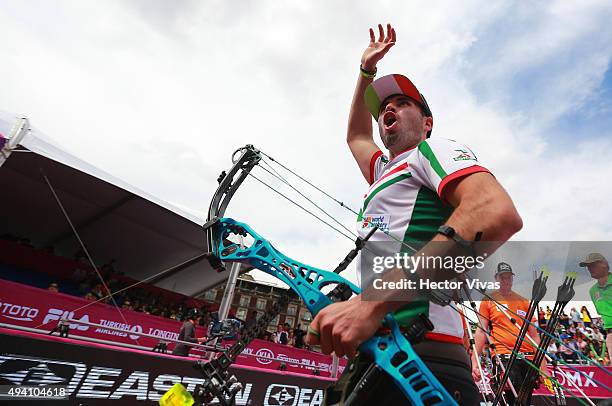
(389, 119)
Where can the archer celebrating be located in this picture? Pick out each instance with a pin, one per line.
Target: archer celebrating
(424, 190)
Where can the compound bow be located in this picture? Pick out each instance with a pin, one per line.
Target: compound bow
(391, 350)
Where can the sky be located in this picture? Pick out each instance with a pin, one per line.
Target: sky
(160, 94)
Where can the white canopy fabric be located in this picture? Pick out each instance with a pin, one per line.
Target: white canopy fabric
(114, 219)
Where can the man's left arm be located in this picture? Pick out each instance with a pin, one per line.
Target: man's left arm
(481, 205)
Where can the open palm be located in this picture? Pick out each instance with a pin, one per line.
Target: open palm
(377, 49)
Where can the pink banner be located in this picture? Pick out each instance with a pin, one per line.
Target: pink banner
(296, 360)
(587, 378)
(28, 306)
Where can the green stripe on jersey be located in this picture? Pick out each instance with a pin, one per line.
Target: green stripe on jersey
(428, 214)
(406, 314)
(384, 186)
(431, 157)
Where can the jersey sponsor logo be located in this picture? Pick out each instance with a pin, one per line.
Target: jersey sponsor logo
(464, 155)
(382, 221)
(521, 313)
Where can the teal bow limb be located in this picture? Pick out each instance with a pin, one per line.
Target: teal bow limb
(391, 351)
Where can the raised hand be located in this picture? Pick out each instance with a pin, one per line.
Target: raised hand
(377, 49)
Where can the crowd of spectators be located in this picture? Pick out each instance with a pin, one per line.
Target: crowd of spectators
(87, 284)
(285, 335)
(579, 333)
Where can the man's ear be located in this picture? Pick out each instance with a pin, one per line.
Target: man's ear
(428, 124)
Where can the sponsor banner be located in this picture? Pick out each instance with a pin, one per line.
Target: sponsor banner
(28, 306)
(101, 375)
(585, 377)
(258, 352)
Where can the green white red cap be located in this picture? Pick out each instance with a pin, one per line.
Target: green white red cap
(390, 85)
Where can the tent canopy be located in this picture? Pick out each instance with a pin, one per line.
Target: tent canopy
(114, 219)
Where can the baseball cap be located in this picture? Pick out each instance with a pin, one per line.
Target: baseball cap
(592, 257)
(390, 85)
(503, 267)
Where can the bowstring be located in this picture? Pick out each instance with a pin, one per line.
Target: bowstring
(532, 365)
(342, 204)
(557, 340)
(286, 182)
(535, 346)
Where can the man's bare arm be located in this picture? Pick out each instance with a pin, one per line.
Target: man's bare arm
(359, 135)
(481, 205)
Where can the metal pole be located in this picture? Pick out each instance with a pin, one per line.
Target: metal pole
(19, 130)
(334, 366)
(230, 287)
(228, 294)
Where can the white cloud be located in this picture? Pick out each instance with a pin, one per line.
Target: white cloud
(167, 91)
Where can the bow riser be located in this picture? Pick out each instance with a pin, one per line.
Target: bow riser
(305, 280)
(392, 352)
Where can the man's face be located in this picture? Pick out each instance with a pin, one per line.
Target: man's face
(505, 281)
(598, 269)
(401, 123)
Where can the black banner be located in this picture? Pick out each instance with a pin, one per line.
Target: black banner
(100, 375)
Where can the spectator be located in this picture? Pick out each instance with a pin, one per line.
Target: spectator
(575, 316)
(251, 320)
(299, 335)
(53, 287)
(188, 333)
(541, 318)
(281, 337)
(581, 345)
(90, 296)
(548, 313)
(127, 305)
(586, 316)
(564, 320)
(552, 349)
(568, 350)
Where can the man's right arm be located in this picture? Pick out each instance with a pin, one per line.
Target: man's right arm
(359, 133)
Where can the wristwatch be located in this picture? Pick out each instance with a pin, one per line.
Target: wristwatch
(450, 232)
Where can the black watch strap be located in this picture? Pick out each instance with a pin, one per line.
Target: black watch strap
(450, 232)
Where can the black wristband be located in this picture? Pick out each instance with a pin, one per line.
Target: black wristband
(367, 74)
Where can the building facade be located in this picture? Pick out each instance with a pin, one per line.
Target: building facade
(253, 298)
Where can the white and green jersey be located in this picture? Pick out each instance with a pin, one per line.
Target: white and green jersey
(406, 200)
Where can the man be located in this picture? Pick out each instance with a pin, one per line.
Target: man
(503, 331)
(575, 316)
(281, 337)
(188, 333)
(298, 335)
(422, 184)
(601, 292)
